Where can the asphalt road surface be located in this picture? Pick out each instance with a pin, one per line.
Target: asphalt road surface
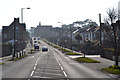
(50, 64)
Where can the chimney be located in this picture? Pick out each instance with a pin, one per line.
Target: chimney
(16, 20)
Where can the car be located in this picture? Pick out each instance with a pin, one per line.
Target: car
(35, 41)
(36, 47)
(44, 48)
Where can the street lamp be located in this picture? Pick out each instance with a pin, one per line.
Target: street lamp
(22, 13)
(100, 29)
(71, 35)
(62, 35)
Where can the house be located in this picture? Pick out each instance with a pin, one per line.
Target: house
(8, 31)
(16, 29)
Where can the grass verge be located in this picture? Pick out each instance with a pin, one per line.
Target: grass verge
(72, 53)
(56, 47)
(112, 70)
(17, 58)
(65, 50)
(2, 63)
(86, 60)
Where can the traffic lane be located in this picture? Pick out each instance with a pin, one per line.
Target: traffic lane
(47, 67)
(77, 70)
(20, 68)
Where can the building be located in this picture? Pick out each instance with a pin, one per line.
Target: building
(43, 31)
(8, 31)
(32, 31)
(21, 35)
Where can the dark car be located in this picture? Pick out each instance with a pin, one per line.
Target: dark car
(44, 48)
(36, 47)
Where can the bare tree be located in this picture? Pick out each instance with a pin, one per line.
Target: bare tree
(78, 37)
(113, 31)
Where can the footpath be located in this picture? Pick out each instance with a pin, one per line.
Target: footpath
(105, 63)
(26, 50)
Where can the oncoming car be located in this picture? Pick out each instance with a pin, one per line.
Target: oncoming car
(44, 48)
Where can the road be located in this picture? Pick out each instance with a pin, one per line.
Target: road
(50, 64)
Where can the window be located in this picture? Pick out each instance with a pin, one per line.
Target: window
(16, 27)
(5, 35)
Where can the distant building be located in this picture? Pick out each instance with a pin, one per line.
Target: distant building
(43, 31)
(32, 31)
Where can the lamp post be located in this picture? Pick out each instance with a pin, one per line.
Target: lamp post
(71, 35)
(22, 13)
(100, 29)
(62, 35)
(14, 40)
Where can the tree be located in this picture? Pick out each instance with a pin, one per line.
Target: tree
(78, 37)
(112, 31)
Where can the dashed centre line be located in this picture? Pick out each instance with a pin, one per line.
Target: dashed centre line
(61, 66)
(34, 67)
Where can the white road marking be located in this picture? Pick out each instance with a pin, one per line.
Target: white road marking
(32, 73)
(35, 64)
(36, 76)
(34, 67)
(65, 74)
(53, 73)
(61, 66)
(40, 77)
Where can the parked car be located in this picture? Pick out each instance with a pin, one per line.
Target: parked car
(44, 48)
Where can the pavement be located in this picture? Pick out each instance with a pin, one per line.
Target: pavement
(105, 63)
(27, 49)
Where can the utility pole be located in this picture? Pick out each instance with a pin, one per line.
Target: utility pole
(61, 35)
(100, 29)
(62, 39)
(14, 39)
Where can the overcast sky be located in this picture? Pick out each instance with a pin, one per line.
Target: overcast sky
(50, 12)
